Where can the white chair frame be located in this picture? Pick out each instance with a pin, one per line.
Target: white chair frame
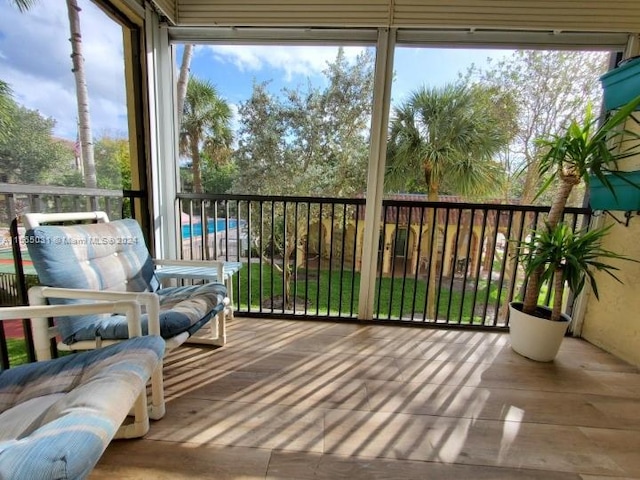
(148, 300)
(39, 327)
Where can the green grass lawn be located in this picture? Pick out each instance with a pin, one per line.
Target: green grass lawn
(17, 351)
(331, 292)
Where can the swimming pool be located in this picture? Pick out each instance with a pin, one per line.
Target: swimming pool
(220, 225)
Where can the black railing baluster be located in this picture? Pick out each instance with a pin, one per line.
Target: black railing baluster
(494, 242)
(295, 255)
(394, 244)
(442, 259)
(272, 247)
(306, 261)
(342, 256)
(508, 248)
(331, 247)
(4, 349)
(285, 256)
(260, 253)
(318, 266)
(354, 260)
(467, 266)
(478, 269)
(249, 259)
(382, 247)
(21, 284)
(453, 262)
(406, 262)
(418, 263)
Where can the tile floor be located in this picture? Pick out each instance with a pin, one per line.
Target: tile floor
(305, 400)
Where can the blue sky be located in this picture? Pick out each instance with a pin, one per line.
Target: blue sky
(34, 59)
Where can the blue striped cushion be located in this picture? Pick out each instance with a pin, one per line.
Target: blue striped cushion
(182, 309)
(104, 256)
(66, 438)
(113, 256)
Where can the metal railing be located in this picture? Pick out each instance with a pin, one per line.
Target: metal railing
(439, 263)
(303, 255)
(16, 200)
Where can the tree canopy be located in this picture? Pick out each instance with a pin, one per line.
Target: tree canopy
(206, 125)
(5, 106)
(316, 137)
(447, 138)
(549, 88)
(23, 5)
(28, 152)
(306, 142)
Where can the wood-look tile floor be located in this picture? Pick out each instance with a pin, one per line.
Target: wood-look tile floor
(327, 401)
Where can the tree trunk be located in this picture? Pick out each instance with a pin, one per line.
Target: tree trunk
(84, 119)
(487, 260)
(432, 248)
(531, 179)
(195, 164)
(555, 216)
(183, 79)
(287, 298)
(558, 289)
(510, 256)
(560, 199)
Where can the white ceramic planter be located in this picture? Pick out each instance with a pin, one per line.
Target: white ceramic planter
(533, 337)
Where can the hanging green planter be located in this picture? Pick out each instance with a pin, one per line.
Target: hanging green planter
(621, 84)
(624, 194)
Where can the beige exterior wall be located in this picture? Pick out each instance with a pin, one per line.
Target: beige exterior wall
(613, 323)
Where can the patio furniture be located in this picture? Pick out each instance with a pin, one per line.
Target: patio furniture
(194, 270)
(110, 261)
(58, 416)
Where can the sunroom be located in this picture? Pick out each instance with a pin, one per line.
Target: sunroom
(369, 337)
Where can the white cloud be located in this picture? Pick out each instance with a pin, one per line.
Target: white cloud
(291, 60)
(35, 60)
(47, 96)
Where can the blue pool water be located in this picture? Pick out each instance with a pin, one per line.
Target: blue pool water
(220, 226)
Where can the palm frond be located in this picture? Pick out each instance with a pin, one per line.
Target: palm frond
(576, 254)
(23, 5)
(449, 133)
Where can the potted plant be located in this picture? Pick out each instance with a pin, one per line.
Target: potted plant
(554, 252)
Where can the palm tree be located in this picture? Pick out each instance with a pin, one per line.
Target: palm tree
(450, 135)
(205, 124)
(5, 102)
(82, 94)
(84, 119)
(23, 5)
(183, 79)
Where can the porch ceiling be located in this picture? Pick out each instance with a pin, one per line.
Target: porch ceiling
(547, 15)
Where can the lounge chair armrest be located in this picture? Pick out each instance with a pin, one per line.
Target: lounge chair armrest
(214, 264)
(39, 295)
(129, 308)
(39, 314)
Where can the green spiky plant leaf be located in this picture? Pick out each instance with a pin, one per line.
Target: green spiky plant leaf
(583, 149)
(568, 258)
